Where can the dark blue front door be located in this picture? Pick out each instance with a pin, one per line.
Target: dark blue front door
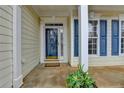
(51, 43)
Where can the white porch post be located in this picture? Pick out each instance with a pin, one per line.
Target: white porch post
(72, 39)
(41, 42)
(17, 71)
(83, 38)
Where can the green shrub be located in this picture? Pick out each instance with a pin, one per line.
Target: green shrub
(80, 79)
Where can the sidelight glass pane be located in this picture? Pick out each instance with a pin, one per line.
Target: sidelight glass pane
(76, 46)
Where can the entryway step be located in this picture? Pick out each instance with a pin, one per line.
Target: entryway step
(52, 64)
(51, 60)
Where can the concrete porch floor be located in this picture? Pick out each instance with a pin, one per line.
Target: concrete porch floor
(108, 76)
(48, 77)
(55, 77)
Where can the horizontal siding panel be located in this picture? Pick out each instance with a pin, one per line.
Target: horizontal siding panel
(106, 61)
(28, 67)
(26, 64)
(5, 47)
(5, 55)
(5, 23)
(27, 13)
(5, 31)
(8, 84)
(5, 80)
(31, 56)
(30, 27)
(30, 37)
(29, 33)
(5, 39)
(25, 18)
(5, 64)
(5, 72)
(26, 25)
(35, 50)
(30, 40)
(5, 15)
(8, 9)
(29, 45)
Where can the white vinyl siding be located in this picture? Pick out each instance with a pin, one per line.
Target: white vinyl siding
(30, 40)
(106, 61)
(6, 49)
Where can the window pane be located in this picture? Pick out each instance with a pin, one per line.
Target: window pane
(89, 51)
(122, 50)
(122, 34)
(92, 47)
(90, 40)
(76, 47)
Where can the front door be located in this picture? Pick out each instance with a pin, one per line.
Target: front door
(51, 43)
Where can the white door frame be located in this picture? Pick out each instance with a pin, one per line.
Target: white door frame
(47, 20)
(59, 47)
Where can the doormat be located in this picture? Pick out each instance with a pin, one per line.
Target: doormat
(52, 64)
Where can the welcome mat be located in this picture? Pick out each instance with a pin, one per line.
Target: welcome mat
(52, 64)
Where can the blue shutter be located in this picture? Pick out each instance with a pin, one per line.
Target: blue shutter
(76, 46)
(103, 37)
(115, 37)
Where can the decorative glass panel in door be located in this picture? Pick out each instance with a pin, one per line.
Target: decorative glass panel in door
(51, 43)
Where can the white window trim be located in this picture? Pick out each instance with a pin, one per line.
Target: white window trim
(75, 58)
(121, 18)
(98, 38)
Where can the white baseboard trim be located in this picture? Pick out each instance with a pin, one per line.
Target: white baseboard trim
(18, 82)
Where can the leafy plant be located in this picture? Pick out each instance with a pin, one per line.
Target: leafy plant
(80, 79)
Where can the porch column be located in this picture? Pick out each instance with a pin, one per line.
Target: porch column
(17, 70)
(72, 39)
(83, 38)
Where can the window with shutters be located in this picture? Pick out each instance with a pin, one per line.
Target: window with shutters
(93, 37)
(122, 36)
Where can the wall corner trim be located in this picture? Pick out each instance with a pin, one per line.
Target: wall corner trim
(18, 82)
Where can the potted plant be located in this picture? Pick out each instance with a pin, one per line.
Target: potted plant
(80, 79)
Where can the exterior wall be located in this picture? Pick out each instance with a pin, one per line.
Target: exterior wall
(108, 60)
(72, 60)
(6, 48)
(30, 39)
(69, 38)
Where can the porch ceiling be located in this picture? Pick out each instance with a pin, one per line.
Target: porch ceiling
(51, 10)
(107, 8)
